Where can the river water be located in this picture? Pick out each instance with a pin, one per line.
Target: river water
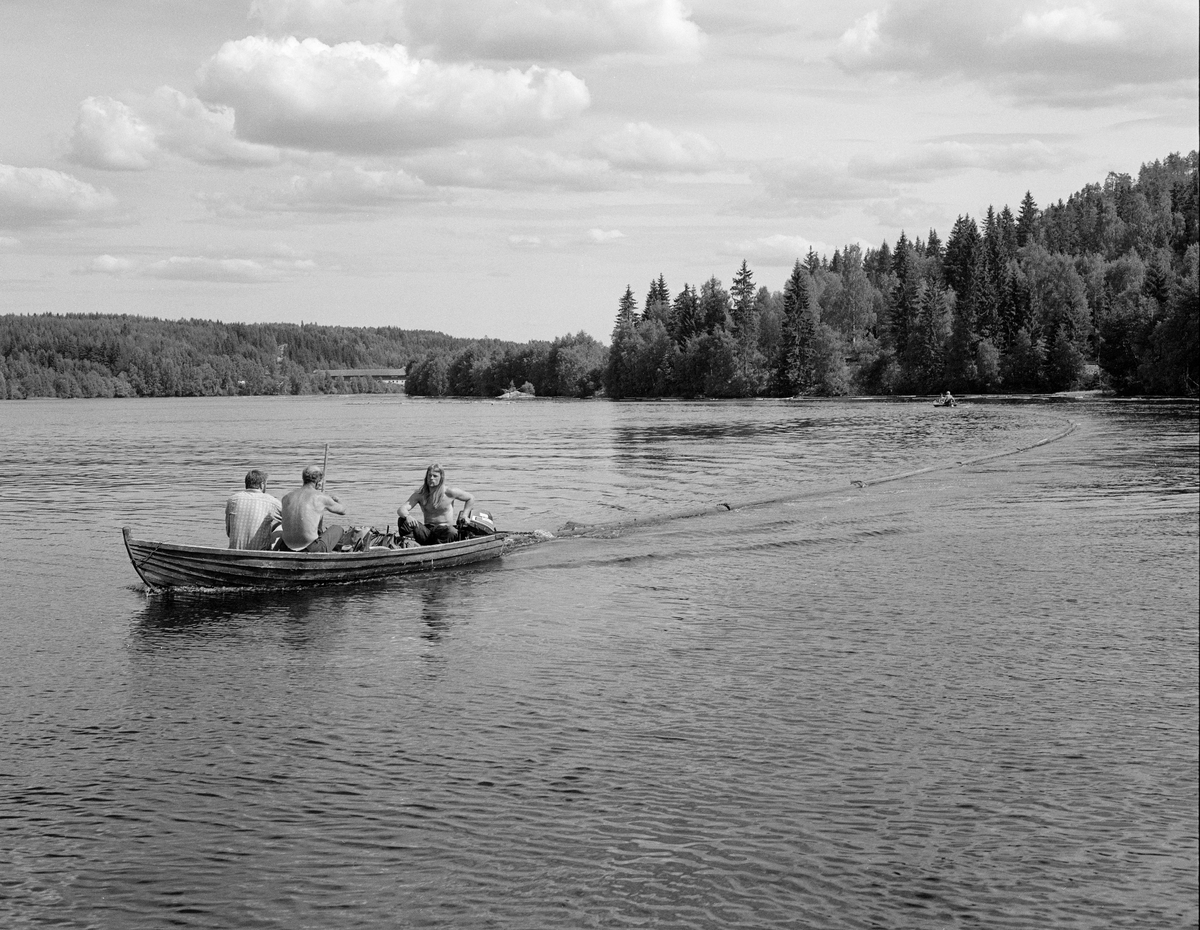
(736, 691)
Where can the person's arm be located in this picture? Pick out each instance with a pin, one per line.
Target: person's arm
(403, 510)
(333, 505)
(466, 497)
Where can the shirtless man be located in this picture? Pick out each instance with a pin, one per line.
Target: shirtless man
(437, 509)
(302, 513)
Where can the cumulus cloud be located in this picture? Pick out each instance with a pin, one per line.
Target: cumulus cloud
(117, 136)
(640, 146)
(515, 168)
(525, 242)
(187, 126)
(108, 134)
(41, 196)
(1057, 52)
(524, 30)
(361, 98)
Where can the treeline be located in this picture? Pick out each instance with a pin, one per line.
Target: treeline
(126, 356)
(94, 355)
(570, 366)
(1100, 291)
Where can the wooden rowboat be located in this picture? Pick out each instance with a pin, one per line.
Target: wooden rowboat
(167, 565)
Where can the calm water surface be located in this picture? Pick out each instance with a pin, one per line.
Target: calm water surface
(966, 697)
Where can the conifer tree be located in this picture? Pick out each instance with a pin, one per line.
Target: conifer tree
(794, 372)
(658, 294)
(1027, 221)
(962, 256)
(686, 321)
(1008, 235)
(923, 355)
(621, 364)
(743, 293)
(902, 301)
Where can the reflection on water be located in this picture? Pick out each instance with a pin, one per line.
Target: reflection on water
(965, 698)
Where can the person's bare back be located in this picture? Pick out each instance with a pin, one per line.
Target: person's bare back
(303, 509)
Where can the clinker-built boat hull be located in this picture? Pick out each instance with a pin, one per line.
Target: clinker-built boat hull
(167, 565)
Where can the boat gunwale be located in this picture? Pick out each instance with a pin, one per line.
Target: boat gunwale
(281, 555)
(298, 569)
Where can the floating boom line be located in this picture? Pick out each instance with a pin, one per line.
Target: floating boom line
(614, 528)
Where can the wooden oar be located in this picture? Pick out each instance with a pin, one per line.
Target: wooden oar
(324, 464)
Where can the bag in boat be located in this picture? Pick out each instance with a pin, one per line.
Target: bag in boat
(376, 538)
(479, 524)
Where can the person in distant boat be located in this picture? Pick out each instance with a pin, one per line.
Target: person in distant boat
(948, 400)
(437, 509)
(303, 512)
(252, 516)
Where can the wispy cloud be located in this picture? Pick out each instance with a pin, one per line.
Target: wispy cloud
(342, 190)
(202, 268)
(525, 242)
(523, 30)
(795, 186)
(605, 236)
(938, 159)
(775, 250)
(514, 167)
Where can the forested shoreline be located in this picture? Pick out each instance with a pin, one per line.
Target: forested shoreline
(1100, 291)
(1097, 292)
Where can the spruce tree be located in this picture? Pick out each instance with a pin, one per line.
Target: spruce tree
(658, 294)
(743, 293)
(620, 372)
(1027, 221)
(794, 371)
(902, 301)
(685, 321)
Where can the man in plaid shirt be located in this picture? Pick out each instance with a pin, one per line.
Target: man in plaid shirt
(252, 516)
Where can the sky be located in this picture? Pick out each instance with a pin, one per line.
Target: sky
(505, 168)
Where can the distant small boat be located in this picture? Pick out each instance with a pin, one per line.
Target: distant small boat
(167, 565)
(945, 403)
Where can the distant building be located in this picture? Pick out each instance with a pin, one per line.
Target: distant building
(386, 375)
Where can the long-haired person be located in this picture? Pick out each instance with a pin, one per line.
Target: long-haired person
(437, 523)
